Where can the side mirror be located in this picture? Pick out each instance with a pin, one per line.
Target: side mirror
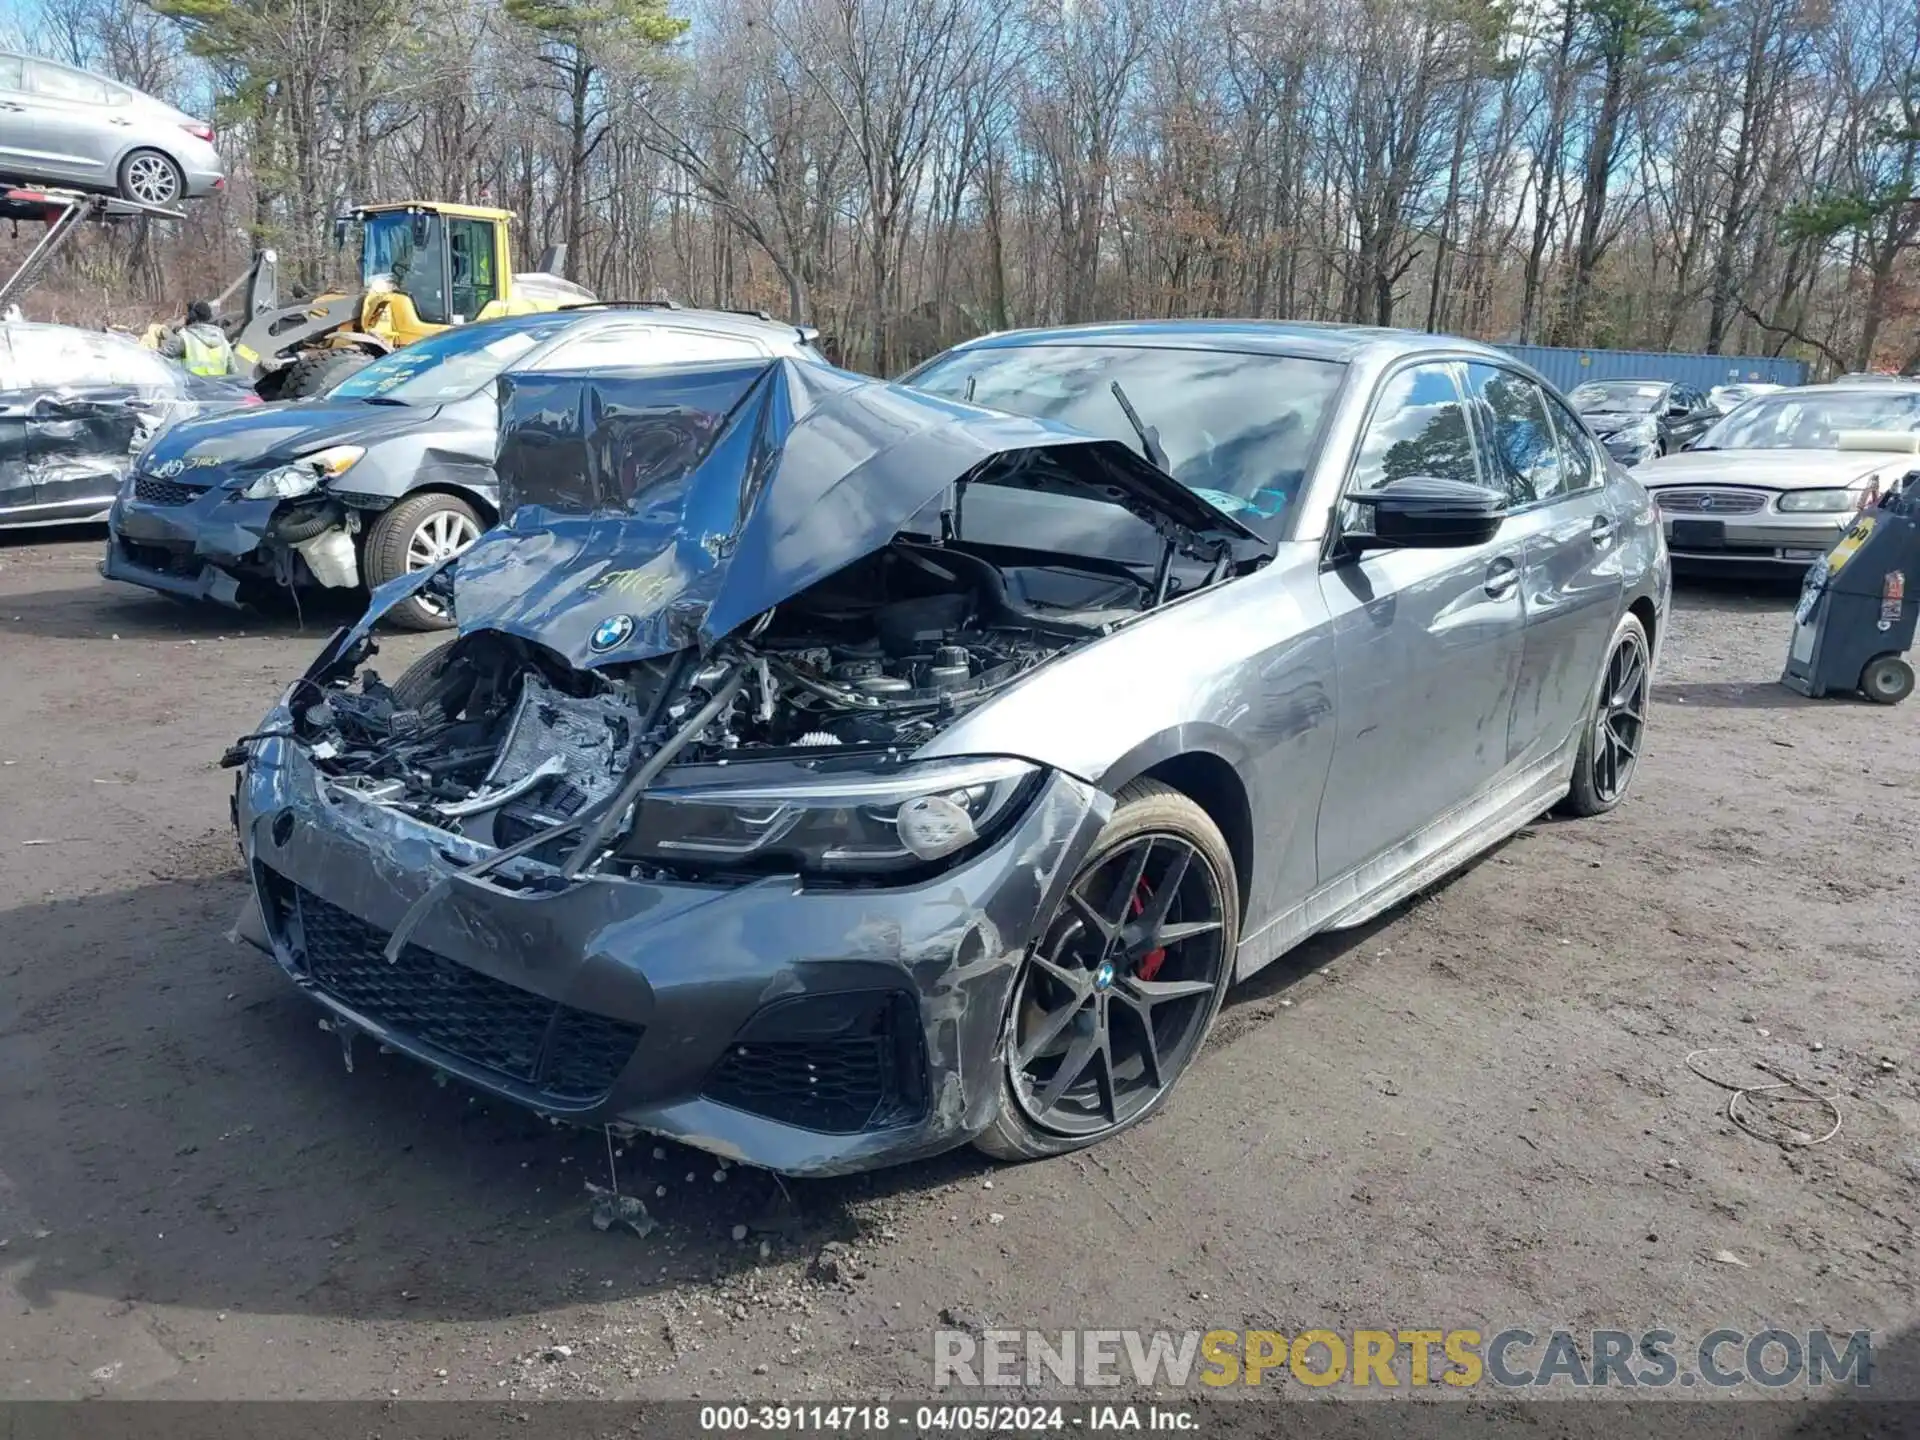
(1425, 512)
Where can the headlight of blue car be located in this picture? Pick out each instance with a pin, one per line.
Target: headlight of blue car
(304, 476)
(1820, 501)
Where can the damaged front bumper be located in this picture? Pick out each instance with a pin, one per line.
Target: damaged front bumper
(808, 1030)
(205, 544)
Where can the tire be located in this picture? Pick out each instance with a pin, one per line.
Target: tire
(417, 681)
(1886, 680)
(1106, 998)
(1602, 773)
(318, 371)
(151, 178)
(400, 541)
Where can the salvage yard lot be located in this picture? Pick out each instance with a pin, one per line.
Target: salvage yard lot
(1475, 1112)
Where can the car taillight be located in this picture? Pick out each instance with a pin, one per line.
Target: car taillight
(199, 129)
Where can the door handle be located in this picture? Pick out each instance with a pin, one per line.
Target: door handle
(1602, 529)
(118, 120)
(1502, 576)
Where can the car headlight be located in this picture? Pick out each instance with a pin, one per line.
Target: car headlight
(1640, 432)
(1824, 501)
(825, 823)
(303, 476)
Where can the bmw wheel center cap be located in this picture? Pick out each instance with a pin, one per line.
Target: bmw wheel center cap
(611, 633)
(1103, 977)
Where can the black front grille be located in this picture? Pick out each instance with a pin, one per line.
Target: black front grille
(155, 491)
(570, 1055)
(159, 557)
(837, 1063)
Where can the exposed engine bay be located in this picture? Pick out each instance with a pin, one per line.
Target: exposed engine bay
(500, 740)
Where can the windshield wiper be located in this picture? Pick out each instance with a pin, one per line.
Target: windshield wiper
(383, 400)
(1149, 437)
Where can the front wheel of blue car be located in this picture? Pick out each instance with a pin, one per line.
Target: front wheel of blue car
(1116, 996)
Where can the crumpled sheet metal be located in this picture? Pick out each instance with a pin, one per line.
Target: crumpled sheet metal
(673, 506)
(64, 445)
(692, 963)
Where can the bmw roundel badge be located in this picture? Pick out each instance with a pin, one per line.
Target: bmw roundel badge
(611, 633)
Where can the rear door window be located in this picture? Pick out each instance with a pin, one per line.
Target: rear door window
(1582, 470)
(55, 82)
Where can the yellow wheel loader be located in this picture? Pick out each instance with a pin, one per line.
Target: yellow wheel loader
(424, 265)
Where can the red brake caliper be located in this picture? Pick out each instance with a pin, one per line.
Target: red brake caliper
(1150, 962)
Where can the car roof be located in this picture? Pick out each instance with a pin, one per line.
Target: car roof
(725, 322)
(11, 326)
(1857, 387)
(1301, 339)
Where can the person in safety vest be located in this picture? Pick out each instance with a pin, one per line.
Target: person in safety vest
(199, 344)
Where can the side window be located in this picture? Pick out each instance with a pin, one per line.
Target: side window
(1524, 451)
(60, 84)
(611, 345)
(1418, 427)
(1582, 470)
(470, 253)
(124, 363)
(690, 347)
(53, 359)
(13, 73)
(622, 346)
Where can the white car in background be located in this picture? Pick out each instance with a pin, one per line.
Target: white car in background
(67, 127)
(1778, 481)
(1725, 399)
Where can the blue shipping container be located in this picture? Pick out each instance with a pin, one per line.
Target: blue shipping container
(1567, 368)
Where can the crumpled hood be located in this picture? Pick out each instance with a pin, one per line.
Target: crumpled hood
(648, 511)
(1774, 469)
(261, 436)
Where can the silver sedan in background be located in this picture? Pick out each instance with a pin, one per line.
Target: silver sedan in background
(1773, 485)
(68, 127)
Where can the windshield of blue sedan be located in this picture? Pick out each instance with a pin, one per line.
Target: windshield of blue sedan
(444, 367)
(1239, 430)
(1812, 420)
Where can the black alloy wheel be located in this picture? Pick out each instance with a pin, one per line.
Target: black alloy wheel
(1616, 729)
(1118, 993)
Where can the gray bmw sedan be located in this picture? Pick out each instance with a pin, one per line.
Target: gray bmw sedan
(828, 772)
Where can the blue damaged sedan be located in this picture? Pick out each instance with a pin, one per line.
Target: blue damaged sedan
(827, 772)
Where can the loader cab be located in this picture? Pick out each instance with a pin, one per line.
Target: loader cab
(449, 261)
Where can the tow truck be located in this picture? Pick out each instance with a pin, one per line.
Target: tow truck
(63, 212)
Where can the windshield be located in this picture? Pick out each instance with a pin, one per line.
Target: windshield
(1240, 431)
(387, 248)
(449, 366)
(1632, 397)
(1811, 419)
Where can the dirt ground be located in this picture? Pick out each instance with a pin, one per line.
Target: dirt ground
(1475, 1112)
